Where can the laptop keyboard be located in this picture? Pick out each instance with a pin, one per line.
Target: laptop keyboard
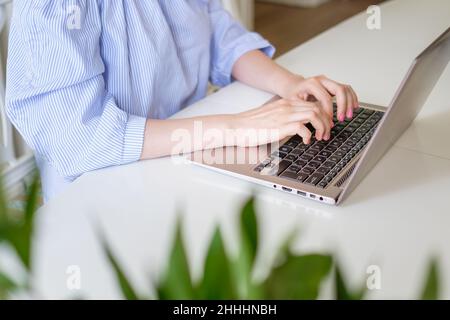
(319, 162)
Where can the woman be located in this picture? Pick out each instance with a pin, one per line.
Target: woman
(91, 83)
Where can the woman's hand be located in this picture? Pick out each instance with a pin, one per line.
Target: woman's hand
(323, 90)
(282, 117)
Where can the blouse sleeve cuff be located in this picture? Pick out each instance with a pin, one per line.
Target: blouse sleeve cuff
(133, 139)
(251, 41)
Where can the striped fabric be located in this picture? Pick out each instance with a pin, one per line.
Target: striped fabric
(84, 75)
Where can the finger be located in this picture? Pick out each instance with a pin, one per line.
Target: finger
(300, 129)
(304, 132)
(339, 92)
(322, 95)
(355, 98)
(314, 117)
(350, 104)
(322, 116)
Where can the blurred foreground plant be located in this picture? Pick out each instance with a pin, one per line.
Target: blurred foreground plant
(16, 231)
(292, 277)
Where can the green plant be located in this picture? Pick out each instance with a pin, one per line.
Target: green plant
(16, 230)
(292, 277)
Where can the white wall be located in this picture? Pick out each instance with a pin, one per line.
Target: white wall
(242, 10)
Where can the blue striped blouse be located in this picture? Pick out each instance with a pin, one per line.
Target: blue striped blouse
(84, 75)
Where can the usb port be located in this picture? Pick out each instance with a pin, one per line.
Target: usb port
(301, 193)
(312, 196)
(286, 189)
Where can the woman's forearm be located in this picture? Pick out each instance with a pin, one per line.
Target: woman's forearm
(259, 71)
(172, 137)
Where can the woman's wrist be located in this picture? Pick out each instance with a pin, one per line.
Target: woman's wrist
(285, 85)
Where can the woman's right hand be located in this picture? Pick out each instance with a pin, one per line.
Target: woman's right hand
(280, 119)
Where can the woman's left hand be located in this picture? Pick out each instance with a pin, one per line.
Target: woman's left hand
(323, 90)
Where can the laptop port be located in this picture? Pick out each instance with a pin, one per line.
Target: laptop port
(312, 196)
(301, 193)
(286, 189)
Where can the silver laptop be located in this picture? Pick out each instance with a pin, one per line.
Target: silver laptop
(328, 171)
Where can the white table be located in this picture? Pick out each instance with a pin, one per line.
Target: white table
(397, 218)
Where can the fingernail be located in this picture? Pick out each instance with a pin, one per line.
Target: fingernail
(341, 118)
(350, 114)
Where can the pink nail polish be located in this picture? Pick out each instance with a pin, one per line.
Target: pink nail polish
(350, 114)
(341, 118)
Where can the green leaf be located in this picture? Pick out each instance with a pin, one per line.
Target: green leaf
(19, 233)
(127, 289)
(431, 288)
(177, 283)
(7, 286)
(217, 282)
(249, 231)
(3, 210)
(298, 277)
(32, 200)
(3, 213)
(342, 291)
(242, 267)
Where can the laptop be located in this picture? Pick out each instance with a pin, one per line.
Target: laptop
(328, 171)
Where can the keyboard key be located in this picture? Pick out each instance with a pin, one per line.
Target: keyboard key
(260, 167)
(335, 143)
(296, 152)
(322, 184)
(307, 170)
(319, 145)
(301, 176)
(293, 168)
(369, 112)
(295, 138)
(333, 173)
(323, 170)
(279, 154)
(314, 179)
(311, 152)
(292, 144)
(283, 165)
(339, 154)
(325, 154)
(328, 179)
(330, 148)
(329, 164)
(334, 158)
(320, 159)
(350, 144)
(289, 174)
(314, 164)
(306, 157)
(285, 149)
(364, 116)
(344, 149)
(350, 129)
(345, 134)
(301, 163)
(291, 157)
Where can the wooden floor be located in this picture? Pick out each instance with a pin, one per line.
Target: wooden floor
(287, 27)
